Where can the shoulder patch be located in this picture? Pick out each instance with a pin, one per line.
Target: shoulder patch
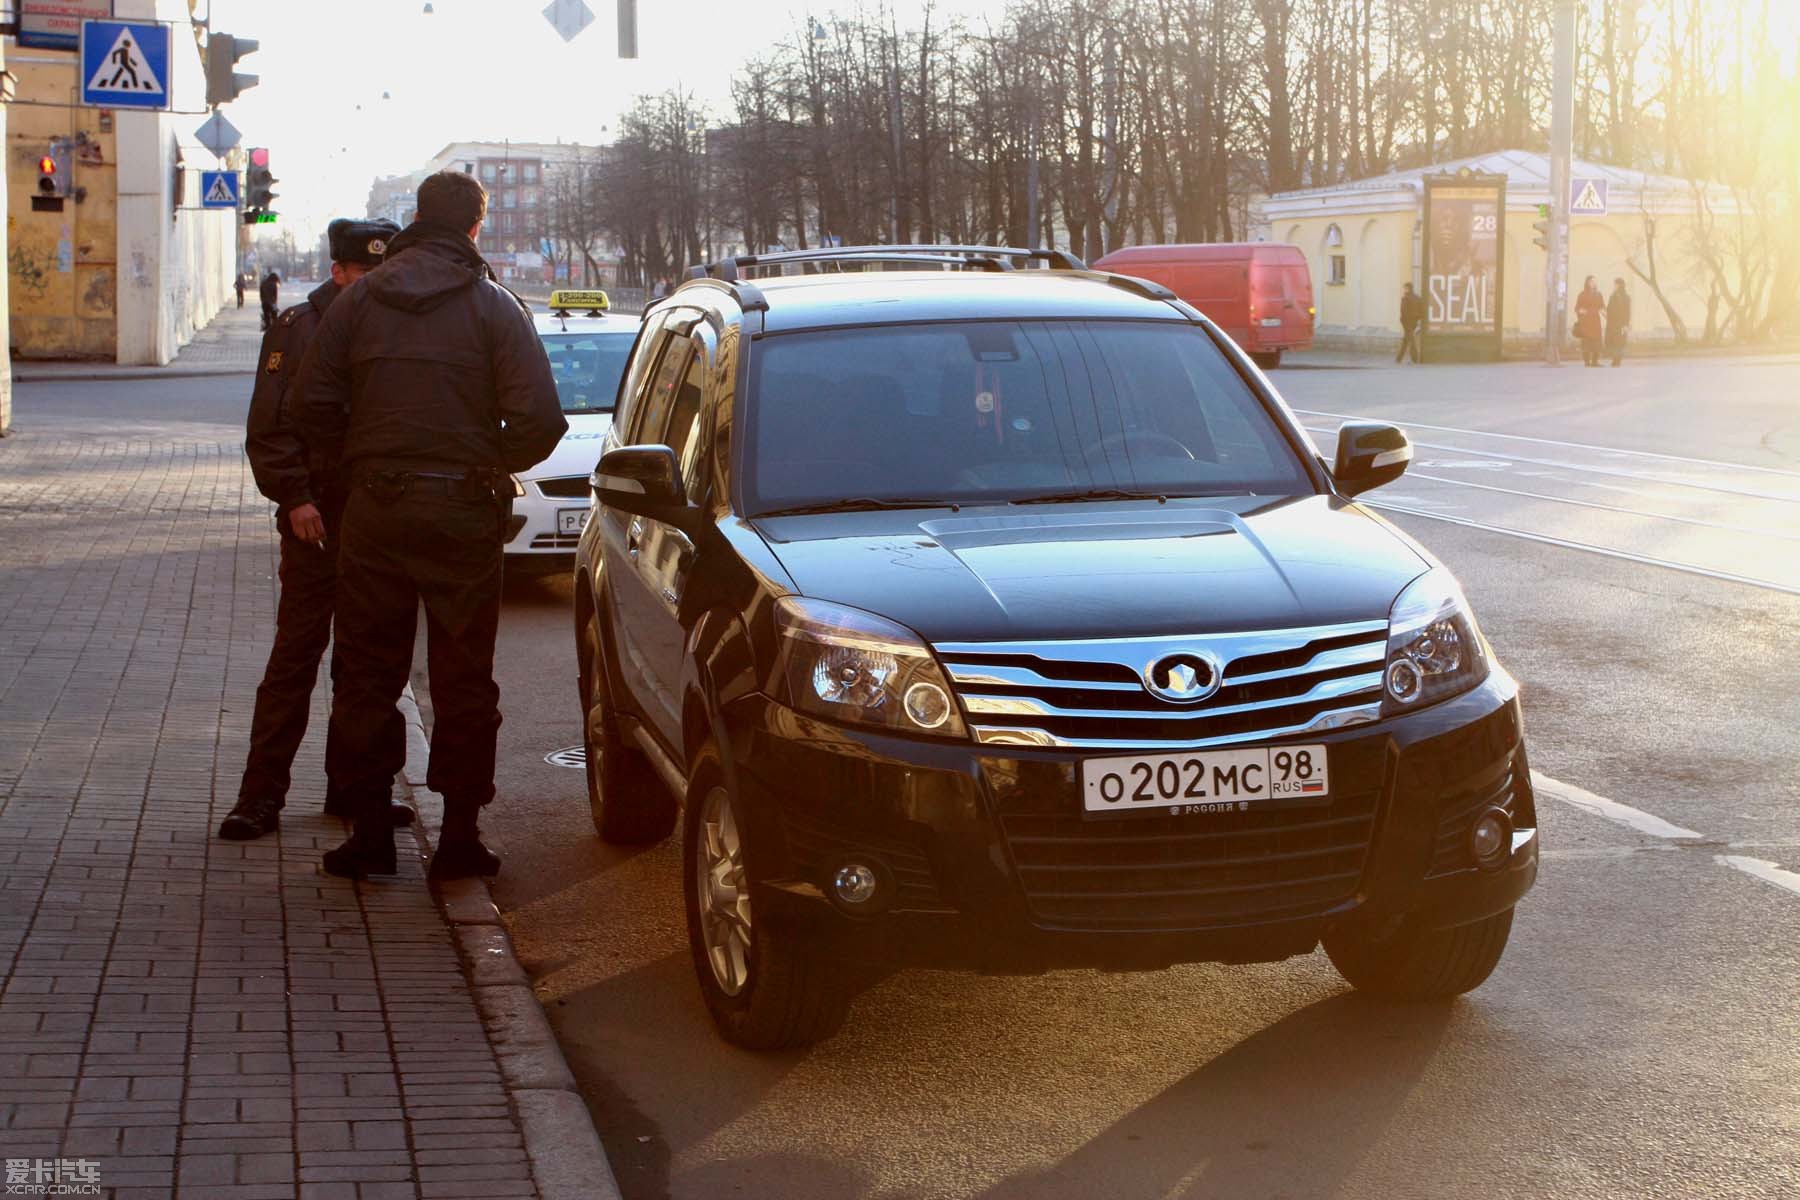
(274, 362)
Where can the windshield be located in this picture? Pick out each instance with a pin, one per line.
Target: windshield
(587, 367)
(971, 413)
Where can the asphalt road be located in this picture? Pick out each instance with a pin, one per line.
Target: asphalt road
(1629, 547)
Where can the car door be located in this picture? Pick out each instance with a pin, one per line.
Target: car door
(665, 554)
(641, 407)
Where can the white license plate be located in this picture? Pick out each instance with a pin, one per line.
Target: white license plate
(572, 520)
(1203, 781)
(1270, 322)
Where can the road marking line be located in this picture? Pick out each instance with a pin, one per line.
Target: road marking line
(1566, 544)
(1515, 437)
(1768, 872)
(1612, 810)
(1612, 508)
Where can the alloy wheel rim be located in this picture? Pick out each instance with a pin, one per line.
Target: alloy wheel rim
(723, 894)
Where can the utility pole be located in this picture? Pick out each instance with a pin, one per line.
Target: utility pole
(1562, 132)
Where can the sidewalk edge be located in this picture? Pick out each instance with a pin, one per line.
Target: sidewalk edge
(567, 1159)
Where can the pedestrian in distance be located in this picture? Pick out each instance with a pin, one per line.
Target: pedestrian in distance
(307, 515)
(271, 293)
(427, 386)
(1412, 319)
(1618, 320)
(1588, 309)
(239, 284)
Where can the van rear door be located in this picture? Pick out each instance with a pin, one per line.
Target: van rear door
(1221, 291)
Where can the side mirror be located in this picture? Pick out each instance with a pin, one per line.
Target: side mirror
(642, 480)
(1369, 454)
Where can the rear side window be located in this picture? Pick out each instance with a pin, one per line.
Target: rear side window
(649, 344)
(993, 411)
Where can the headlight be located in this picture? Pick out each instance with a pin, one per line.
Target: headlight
(848, 665)
(518, 486)
(1434, 649)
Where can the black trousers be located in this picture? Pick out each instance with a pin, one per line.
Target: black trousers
(424, 547)
(1409, 344)
(302, 631)
(268, 314)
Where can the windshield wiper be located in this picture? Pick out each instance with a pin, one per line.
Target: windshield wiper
(862, 504)
(1091, 494)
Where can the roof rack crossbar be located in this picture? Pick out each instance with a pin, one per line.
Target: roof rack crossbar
(728, 267)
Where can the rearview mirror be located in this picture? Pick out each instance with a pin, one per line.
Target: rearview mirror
(1369, 454)
(642, 480)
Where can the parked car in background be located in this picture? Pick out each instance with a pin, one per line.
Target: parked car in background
(1259, 293)
(588, 347)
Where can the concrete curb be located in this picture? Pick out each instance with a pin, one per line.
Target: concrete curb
(97, 375)
(567, 1160)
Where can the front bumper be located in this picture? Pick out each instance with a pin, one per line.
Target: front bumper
(535, 535)
(985, 861)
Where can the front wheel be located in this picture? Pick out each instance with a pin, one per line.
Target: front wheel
(766, 985)
(629, 803)
(1412, 962)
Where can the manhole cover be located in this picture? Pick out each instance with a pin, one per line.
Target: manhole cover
(573, 756)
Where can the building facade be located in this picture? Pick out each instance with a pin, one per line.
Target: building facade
(1362, 241)
(128, 265)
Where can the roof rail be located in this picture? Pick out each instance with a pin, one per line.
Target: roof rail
(748, 296)
(728, 268)
(1148, 288)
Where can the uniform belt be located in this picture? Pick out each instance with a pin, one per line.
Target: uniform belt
(472, 483)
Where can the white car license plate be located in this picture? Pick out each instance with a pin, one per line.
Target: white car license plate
(572, 520)
(1203, 781)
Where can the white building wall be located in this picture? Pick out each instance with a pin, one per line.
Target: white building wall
(175, 260)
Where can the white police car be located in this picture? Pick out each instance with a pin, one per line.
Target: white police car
(588, 348)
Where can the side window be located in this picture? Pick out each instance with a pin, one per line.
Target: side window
(659, 398)
(650, 342)
(682, 432)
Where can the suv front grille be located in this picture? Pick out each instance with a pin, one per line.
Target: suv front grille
(564, 487)
(1192, 872)
(556, 541)
(1091, 695)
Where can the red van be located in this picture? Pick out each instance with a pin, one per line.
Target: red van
(1260, 293)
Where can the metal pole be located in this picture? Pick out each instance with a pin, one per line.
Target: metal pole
(1562, 129)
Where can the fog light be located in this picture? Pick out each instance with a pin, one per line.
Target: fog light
(1404, 680)
(927, 705)
(855, 884)
(1491, 837)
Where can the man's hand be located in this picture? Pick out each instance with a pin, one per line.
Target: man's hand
(307, 524)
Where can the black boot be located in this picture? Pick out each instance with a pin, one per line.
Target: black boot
(460, 854)
(251, 817)
(337, 806)
(370, 851)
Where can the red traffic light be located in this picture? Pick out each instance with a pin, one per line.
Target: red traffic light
(46, 165)
(259, 157)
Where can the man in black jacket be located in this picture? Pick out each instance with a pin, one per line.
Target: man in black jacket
(308, 523)
(426, 385)
(1412, 317)
(270, 291)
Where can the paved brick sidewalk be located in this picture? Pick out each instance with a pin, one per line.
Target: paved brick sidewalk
(200, 1018)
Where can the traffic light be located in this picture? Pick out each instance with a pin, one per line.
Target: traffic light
(1542, 240)
(53, 170)
(223, 82)
(258, 186)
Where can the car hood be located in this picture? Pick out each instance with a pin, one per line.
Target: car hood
(1121, 569)
(579, 451)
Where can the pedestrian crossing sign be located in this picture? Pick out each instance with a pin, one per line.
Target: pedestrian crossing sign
(1587, 197)
(218, 189)
(124, 64)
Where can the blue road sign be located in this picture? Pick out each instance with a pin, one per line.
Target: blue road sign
(1587, 197)
(124, 64)
(218, 189)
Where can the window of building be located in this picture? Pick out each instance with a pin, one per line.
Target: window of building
(531, 172)
(487, 172)
(509, 199)
(531, 197)
(1337, 270)
(507, 173)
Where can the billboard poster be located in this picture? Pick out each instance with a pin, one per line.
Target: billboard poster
(56, 24)
(1465, 229)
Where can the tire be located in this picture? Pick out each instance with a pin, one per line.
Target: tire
(1413, 963)
(772, 988)
(1268, 360)
(630, 804)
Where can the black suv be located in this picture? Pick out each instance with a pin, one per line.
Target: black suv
(996, 612)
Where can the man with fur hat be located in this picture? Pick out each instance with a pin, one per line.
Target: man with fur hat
(307, 515)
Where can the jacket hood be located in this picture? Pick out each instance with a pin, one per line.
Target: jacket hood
(322, 296)
(426, 266)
